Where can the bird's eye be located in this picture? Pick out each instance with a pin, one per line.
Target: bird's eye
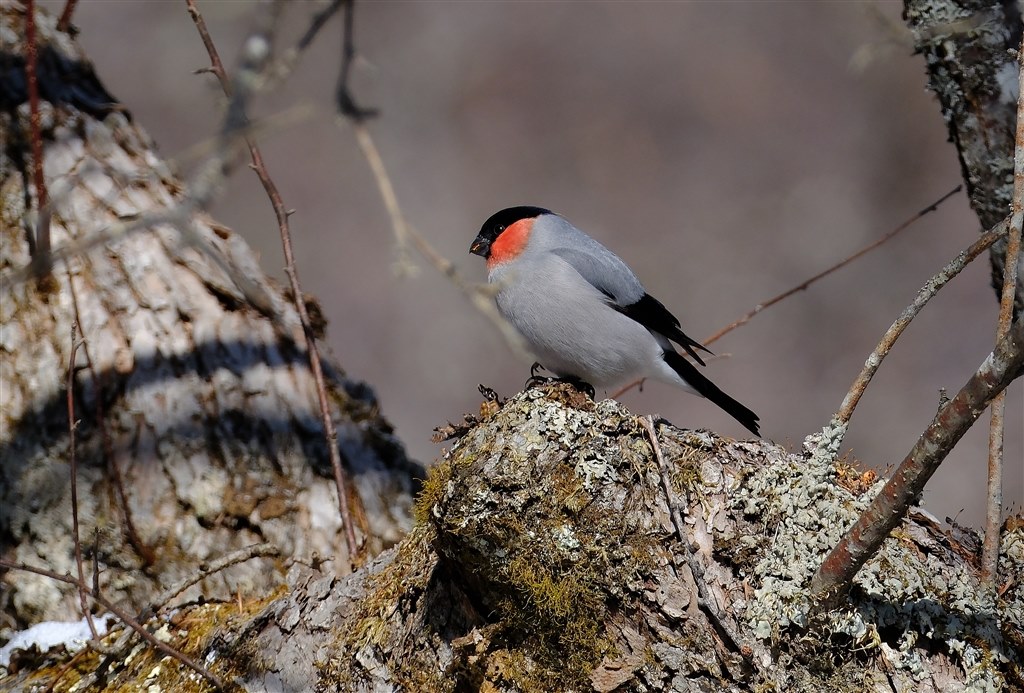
(501, 227)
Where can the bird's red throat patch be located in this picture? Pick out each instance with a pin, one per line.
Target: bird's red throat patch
(510, 243)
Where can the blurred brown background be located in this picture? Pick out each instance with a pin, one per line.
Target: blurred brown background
(727, 151)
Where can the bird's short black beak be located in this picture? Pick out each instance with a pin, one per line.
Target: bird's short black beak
(481, 247)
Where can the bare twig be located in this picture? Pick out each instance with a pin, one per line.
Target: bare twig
(41, 260)
(124, 616)
(216, 66)
(835, 575)
(290, 57)
(238, 93)
(480, 297)
(704, 600)
(994, 488)
(994, 494)
(72, 425)
(265, 550)
(64, 23)
(806, 283)
(346, 102)
(839, 265)
(145, 553)
(842, 417)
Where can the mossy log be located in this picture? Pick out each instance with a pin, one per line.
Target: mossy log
(544, 559)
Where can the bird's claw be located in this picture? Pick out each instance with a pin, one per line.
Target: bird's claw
(535, 379)
(581, 385)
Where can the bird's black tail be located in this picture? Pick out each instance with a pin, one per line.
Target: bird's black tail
(688, 372)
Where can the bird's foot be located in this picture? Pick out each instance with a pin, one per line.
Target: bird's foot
(534, 379)
(580, 384)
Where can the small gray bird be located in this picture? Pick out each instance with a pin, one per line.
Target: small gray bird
(583, 312)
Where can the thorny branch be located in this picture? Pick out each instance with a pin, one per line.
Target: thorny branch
(994, 495)
(259, 49)
(835, 575)
(121, 614)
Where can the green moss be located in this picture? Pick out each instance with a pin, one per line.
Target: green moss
(378, 614)
(433, 489)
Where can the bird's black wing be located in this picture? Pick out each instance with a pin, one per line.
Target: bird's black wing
(650, 313)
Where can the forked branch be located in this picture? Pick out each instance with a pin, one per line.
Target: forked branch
(890, 506)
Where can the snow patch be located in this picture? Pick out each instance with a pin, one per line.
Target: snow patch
(72, 634)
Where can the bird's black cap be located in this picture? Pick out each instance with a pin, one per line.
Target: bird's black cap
(498, 222)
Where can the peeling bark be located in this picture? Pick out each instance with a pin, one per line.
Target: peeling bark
(969, 50)
(205, 404)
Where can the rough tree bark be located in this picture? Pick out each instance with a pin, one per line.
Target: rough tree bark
(544, 559)
(204, 405)
(969, 50)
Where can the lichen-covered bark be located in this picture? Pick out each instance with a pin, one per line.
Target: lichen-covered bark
(544, 559)
(205, 404)
(969, 46)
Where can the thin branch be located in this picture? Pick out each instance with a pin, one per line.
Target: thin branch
(994, 490)
(248, 76)
(480, 297)
(994, 494)
(704, 600)
(740, 322)
(842, 417)
(72, 425)
(64, 23)
(124, 616)
(289, 58)
(145, 552)
(346, 102)
(835, 575)
(42, 262)
(216, 66)
(839, 265)
(265, 550)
